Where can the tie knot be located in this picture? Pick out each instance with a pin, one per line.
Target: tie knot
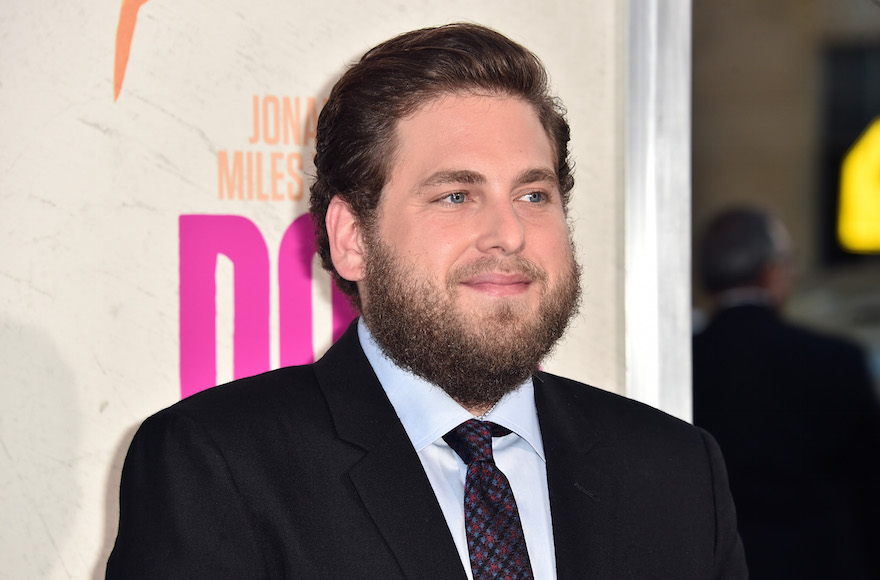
(472, 440)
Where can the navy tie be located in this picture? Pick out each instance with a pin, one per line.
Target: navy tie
(496, 544)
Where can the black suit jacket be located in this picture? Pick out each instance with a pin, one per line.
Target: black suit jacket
(797, 419)
(306, 472)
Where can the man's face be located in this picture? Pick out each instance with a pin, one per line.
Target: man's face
(470, 276)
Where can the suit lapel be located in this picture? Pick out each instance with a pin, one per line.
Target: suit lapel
(389, 479)
(583, 490)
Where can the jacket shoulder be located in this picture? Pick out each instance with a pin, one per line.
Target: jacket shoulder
(288, 391)
(609, 410)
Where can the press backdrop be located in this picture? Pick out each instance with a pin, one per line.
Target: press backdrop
(154, 162)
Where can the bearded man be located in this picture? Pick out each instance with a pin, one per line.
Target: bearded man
(426, 443)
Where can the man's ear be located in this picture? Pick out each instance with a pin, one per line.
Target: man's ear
(346, 242)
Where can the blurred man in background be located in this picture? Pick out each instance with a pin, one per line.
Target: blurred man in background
(795, 412)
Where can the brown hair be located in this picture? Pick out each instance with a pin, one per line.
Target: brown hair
(356, 128)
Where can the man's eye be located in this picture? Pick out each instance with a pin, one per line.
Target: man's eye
(534, 197)
(458, 197)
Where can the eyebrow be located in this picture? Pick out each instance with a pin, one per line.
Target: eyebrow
(537, 175)
(466, 176)
(448, 176)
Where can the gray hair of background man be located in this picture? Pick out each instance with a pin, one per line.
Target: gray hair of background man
(738, 245)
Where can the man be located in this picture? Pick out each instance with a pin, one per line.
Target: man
(793, 411)
(442, 180)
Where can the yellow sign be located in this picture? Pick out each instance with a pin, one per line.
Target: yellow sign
(858, 221)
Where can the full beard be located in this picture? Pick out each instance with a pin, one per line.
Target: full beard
(478, 358)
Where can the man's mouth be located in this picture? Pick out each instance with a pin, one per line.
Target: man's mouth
(498, 283)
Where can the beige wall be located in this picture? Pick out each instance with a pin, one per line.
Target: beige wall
(756, 105)
(755, 110)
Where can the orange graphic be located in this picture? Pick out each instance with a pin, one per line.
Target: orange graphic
(124, 34)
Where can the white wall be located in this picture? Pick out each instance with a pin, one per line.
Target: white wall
(91, 191)
(658, 205)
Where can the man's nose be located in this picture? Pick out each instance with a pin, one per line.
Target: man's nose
(501, 229)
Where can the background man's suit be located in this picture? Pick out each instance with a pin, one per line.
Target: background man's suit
(306, 472)
(796, 419)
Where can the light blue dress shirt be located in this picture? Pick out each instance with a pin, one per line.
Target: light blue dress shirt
(428, 413)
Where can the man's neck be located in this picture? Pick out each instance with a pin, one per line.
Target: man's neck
(745, 295)
(479, 411)
(371, 345)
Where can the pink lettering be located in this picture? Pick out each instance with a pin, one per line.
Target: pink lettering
(295, 292)
(202, 239)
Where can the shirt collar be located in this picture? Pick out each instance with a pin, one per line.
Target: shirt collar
(428, 413)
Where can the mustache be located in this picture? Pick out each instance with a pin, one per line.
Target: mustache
(512, 265)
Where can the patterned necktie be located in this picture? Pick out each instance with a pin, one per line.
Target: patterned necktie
(495, 538)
